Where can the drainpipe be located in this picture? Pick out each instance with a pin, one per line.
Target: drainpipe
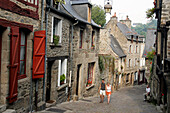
(71, 57)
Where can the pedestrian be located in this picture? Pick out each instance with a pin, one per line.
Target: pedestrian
(108, 91)
(147, 92)
(102, 91)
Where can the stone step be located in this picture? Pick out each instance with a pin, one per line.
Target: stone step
(10, 111)
(2, 108)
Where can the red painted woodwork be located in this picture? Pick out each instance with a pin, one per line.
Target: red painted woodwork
(39, 54)
(14, 64)
(13, 7)
(30, 4)
(6, 23)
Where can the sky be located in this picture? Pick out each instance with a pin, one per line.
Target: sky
(135, 9)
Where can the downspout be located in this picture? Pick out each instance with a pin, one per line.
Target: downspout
(46, 24)
(71, 56)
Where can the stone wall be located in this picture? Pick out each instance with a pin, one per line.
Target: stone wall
(83, 56)
(23, 99)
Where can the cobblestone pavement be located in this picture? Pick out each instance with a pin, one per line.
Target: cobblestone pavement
(126, 100)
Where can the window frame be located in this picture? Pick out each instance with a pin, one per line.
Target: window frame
(92, 39)
(60, 70)
(21, 76)
(59, 29)
(90, 73)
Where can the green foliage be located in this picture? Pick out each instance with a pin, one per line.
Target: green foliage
(142, 28)
(101, 65)
(62, 77)
(59, 1)
(56, 39)
(150, 13)
(98, 15)
(151, 55)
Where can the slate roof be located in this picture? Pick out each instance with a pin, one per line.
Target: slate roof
(116, 47)
(126, 30)
(150, 41)
(80, 2)
(69, 9)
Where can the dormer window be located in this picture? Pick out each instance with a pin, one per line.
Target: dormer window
(89, 14)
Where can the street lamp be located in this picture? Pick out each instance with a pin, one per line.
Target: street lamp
(108, 6)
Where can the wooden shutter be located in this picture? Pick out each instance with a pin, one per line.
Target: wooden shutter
(39, 55)
(14, 64)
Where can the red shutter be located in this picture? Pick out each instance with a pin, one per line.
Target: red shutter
(38, 54)
(14, 64)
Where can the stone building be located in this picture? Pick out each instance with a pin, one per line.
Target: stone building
(72, 50)
(130, 43)
(142, 66)
(160, 80)
(19, 19)
(109, 47)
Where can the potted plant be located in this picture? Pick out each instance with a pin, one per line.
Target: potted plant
(62, 78)
(93, 46)
(56, 39)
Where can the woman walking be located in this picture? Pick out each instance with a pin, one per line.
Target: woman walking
(108, 91)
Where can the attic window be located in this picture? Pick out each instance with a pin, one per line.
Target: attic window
(89, 14)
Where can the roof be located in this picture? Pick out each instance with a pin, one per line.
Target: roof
(69, 10)
(76, 2)
(116, 47)
(126, 30)
(150, 41)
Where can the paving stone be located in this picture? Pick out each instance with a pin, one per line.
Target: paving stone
(126, 100)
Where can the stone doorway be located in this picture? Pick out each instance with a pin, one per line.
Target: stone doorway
(78, 78)
(48, 88)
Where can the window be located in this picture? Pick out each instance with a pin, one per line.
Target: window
(136, 49)
(131, 38)
(22, 59)
(56, 31)
(81, 39)
(130, 47)
(62, 69)
(90, 73)
(129, 62)
(136, 76)
(92, 39)
(127, 78)
(136, 39)
(89, 14)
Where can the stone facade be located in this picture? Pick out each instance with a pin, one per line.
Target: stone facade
(82, 57)
(67, 57)
(114, 76)
(27, 24)
(131, 44)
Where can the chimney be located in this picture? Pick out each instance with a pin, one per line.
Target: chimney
(114, 18)
(127, 21)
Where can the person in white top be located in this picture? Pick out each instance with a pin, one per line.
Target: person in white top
(108, 91)
(147, 92)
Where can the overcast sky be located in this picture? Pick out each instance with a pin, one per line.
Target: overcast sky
(135, 9)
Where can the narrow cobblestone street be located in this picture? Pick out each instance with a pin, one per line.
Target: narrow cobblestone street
(126, 100)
